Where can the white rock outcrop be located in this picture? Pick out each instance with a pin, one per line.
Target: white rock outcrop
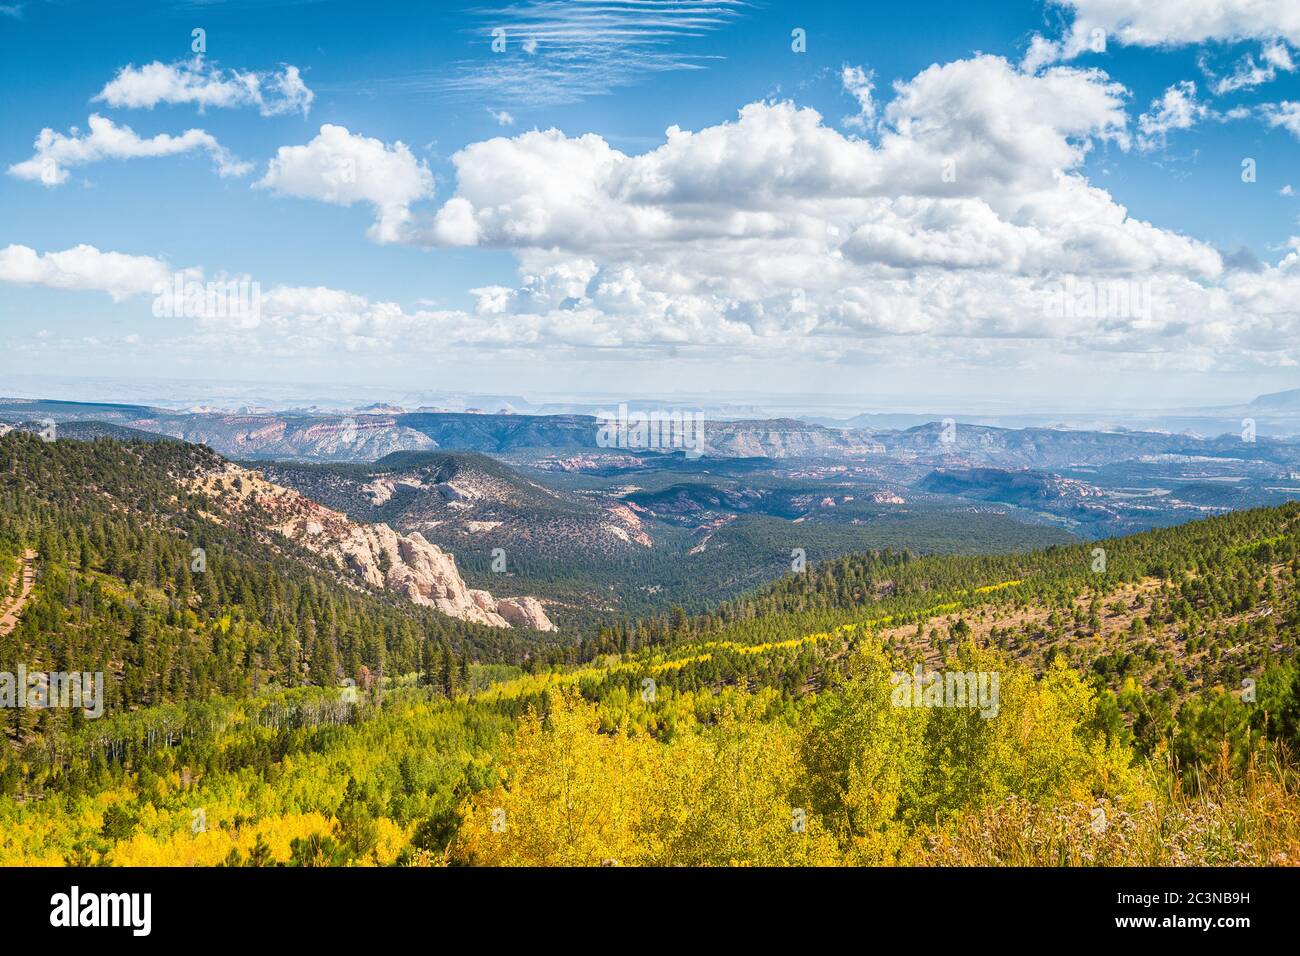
(406, 564)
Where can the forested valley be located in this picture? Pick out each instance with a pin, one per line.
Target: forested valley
(266, 710)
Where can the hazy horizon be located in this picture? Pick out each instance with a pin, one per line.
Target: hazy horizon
(228, 395)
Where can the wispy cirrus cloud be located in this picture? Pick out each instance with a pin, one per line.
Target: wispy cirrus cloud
(546, 52)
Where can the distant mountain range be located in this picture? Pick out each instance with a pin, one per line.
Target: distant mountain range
(1288, 401)
(372, 436)
(580, 522)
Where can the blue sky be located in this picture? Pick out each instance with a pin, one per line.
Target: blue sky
(467, 247)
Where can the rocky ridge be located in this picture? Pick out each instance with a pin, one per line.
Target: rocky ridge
(404, 563)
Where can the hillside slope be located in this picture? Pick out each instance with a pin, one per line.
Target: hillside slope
(465, 499)
(767, 732)
(147, 574)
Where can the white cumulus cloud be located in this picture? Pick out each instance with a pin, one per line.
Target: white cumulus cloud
(83, 267)
(1275, 57)
(1164, 23)
(947, 238)
(202, 84)
(1285, 114)
(57, 152)
(343, 168)
(860, 84)
(1178, 108)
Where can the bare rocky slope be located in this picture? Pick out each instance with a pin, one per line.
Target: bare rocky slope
(378, 556)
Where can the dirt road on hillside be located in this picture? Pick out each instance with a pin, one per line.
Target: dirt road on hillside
(10, 613)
